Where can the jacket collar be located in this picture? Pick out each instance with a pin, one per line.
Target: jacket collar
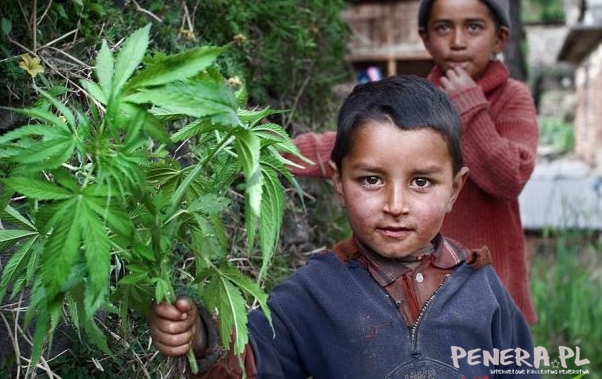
(441, 255)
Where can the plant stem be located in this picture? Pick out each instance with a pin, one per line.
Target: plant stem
(171, 294)
(192, 362)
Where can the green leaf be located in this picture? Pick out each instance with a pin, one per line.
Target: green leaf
(191, 98)
(97, 250)
(9, 237)
(210, 203)
(47, 154)
(37, 189)
(62, 249)
(136, 277)
(104, 72)
(133, 296)
(248, 149)
(48, 314)
(6, 26)
(197, 128)
(163, 291)
(16, 269)
(221, 295)
(65, 179)
(254, 116)
(272, 212)
(97, 336)
(9, 152)
(109, 210)
(38, 114)
(129, 57)
(45, 131)
(12, 216)
(176, 67)
(156, 129)
(242, 95)
(209, 241)
(41, 332)
(276, 134)
(95, 91)
(64, 110)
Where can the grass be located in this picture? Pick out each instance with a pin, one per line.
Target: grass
(566, 284)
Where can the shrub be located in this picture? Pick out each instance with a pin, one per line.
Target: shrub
(567, 293)
(291, 52)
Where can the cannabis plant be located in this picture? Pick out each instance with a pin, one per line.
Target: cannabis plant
(100, 200)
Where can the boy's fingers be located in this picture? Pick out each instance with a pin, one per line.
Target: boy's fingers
(169, 312)
(171, 335)
(185, 304)
(172, 350)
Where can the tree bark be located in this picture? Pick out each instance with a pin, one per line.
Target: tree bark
(513, 54)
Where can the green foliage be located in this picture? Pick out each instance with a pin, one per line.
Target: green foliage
(542, 11)
(557, 133)
(104, 198)
(292, 51)
(566, 286)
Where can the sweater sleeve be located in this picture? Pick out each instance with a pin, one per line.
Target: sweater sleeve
(316, 147)
(499, 139)
(231, 366)
(216, 363)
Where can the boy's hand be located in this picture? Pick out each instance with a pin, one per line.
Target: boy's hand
(176, 328)
(456, 79)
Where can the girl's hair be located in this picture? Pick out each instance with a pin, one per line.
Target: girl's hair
(499, 10)
(409, 102)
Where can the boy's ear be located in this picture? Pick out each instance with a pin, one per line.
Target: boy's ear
(503, 36)
(338, 183)
(459, 181)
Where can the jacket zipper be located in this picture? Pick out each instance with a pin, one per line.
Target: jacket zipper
(414, 331)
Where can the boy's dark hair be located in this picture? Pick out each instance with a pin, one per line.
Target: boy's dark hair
(410, 102)
(499, 10)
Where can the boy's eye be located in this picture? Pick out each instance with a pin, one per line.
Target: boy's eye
(370, 180)
(421, 182)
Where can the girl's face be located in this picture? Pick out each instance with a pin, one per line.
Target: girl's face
(396, 185)
(463, 33)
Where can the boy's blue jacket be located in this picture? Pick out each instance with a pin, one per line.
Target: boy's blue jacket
(331, 320)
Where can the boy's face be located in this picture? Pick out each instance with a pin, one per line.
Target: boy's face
(463, 33)
(396, 185)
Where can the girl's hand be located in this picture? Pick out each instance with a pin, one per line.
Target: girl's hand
(456, 79)
(176, 328)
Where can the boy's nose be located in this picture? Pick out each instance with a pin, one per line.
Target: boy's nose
(396, 201)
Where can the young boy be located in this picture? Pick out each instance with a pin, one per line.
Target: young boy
(398, 299)
(499, 125)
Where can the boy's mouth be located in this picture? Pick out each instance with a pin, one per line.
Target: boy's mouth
(395, 232)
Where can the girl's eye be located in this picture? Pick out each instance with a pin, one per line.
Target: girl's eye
(474, 27)
(442, 28)
(421, 182)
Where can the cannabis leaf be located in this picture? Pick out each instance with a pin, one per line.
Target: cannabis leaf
(101, 204)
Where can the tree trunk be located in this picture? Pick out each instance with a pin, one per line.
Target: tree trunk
(513, 54)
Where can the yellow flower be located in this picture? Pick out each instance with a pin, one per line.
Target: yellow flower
(188, 34)
(240, 39)
(234, 82)
(31, 65)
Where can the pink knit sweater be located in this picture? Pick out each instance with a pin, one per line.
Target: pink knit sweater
(500, 135)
